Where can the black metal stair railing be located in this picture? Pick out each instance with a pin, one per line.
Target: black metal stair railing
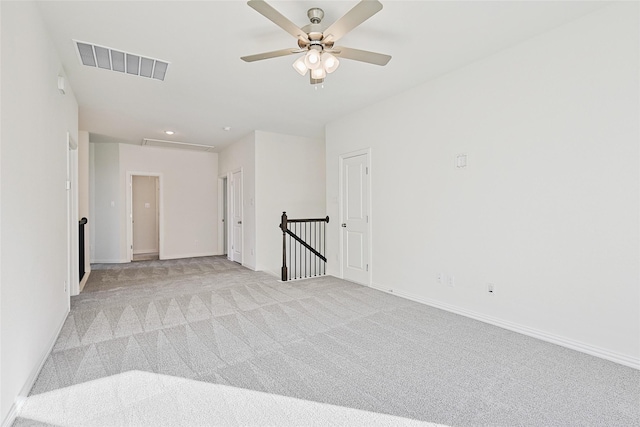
(304, 247)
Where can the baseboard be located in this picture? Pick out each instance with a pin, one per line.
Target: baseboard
(14, 411)
(85, 278)
(110, 261)
(521, 329)
(250, 267)
(192, 255)
(21, 398)
(275, 274)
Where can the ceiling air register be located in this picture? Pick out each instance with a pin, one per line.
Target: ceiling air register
(123, 62)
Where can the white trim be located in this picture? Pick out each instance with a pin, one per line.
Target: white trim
(192, 255)
(341, 158)
(110, 261)
(14, 411)
(521, 329)
(85, 279)
(21, 398)
(222, 179)
(129, 212)
(252, 268)
(229, 218)
(73, 281)
(230, 235)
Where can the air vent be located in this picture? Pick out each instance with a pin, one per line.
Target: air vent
(123, 62)
(176, 144)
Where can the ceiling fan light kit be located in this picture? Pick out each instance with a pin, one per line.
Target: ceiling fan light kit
(318, 74)
(300, 66)
(321, 56)
(312, 58)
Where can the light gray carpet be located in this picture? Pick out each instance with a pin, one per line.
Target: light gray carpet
(329, 341)
(146, 399)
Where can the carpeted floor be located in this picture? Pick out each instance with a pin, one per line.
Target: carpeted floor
(330, 341)
(146, 399)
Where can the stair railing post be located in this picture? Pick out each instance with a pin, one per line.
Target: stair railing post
(283, 226)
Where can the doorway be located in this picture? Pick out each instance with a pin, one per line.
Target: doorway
(145, 217)
(236, 217)
(355, 217)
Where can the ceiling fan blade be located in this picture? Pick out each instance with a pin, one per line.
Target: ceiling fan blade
(272, 54)
(360, 55)
(356, 16)
(279, 19)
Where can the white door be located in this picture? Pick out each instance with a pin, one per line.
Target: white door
(355, 218)
(236, 217)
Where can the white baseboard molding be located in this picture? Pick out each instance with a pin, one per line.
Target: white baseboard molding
(13, 411)
(21, 398)
(110, 261)
(250, 267)
(271, 273)
(192, 255)
(592, 350)
(85, 278)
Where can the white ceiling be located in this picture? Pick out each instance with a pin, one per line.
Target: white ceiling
(208, 87)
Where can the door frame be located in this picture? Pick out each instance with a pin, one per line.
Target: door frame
(72, 285)
(230, 236)
(129, 212)
(223, 226)
(341, 159)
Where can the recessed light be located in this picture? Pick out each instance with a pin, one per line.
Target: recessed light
(226, 128)
(169, 132)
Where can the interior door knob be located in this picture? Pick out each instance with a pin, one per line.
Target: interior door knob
(239, 222)
(344, 225)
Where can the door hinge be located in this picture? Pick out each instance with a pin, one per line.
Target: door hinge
(367, 267)
(367, 219)
(366, 170)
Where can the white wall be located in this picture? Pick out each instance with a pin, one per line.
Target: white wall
(548, 207)
(280, 173)
(189, 198)
(290, 176)
(108, 204)
(35, 120)
(242, 155)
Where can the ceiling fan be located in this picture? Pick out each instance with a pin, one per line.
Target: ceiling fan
(317, 42)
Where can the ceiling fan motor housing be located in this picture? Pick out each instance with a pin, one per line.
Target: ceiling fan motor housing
(315, 15)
